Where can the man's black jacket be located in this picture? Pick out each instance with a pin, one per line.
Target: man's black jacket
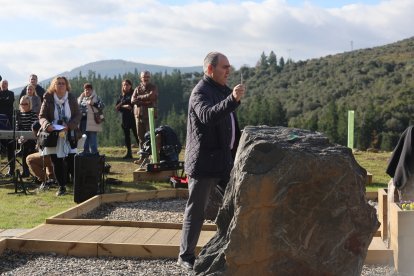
(209, 130)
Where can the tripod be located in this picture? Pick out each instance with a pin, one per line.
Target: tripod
(19, 185)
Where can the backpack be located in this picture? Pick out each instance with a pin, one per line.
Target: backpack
(170, 145)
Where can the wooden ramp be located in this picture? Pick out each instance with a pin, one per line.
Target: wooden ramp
(106, 238)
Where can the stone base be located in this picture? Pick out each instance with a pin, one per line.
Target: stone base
(142, 175)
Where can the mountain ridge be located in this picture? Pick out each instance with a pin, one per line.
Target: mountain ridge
(114, 67)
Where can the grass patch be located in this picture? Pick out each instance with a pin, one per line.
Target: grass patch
(376, 164)
(27, 211)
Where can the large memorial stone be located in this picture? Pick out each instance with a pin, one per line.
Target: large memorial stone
(295, 205)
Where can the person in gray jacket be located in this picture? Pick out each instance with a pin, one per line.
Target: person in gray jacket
(212, 139)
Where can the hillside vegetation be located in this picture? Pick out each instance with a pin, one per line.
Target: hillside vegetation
(315, 94)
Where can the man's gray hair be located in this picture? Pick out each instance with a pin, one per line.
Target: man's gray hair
(211, 58)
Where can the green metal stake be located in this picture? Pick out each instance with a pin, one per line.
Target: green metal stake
(350, 129)
(152, 135)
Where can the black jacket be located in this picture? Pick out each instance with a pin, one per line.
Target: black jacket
(401, 164)
(6, 104)
(128, 119)
(208, 152)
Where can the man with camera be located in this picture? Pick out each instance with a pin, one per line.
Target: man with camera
(6, 123)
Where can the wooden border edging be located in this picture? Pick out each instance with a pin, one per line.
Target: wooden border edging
(96, 201)
(124, 223)
(90, 249)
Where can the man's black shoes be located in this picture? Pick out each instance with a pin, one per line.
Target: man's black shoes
(185, 264)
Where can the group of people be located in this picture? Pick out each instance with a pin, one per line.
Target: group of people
(211, 143)
(133, 104)
(54, 110)
(57, 109)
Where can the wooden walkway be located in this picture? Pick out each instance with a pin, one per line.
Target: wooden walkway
(66, 235)
(106, 238)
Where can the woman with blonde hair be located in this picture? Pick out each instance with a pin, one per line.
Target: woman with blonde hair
(25, 119)
(60, 112)
(34, 98)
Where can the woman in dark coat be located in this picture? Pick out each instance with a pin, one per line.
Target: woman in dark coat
(124, 106)
(60, 111)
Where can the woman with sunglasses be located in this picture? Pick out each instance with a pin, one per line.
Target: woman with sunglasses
(60, 112)
(25, 118)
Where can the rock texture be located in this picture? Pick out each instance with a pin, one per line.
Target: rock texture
(295, 205)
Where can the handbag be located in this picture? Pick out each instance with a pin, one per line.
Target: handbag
(98, 115)
(48, 139)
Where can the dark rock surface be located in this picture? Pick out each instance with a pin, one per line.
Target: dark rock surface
(295, 205)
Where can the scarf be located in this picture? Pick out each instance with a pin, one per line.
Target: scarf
(62, 108)
(63, 113)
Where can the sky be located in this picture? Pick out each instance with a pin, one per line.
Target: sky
(48, 37)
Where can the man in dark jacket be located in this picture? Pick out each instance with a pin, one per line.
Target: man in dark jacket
(6, 111)
(40, 91)
(212, 139)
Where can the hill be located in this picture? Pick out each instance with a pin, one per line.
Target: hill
(377, 83)
(116, 67)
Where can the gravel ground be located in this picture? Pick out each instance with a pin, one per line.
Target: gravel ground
(158, 210)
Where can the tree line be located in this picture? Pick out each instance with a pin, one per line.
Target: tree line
(315, 94)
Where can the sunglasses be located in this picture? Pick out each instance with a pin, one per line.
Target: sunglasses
(24, 104)
(61, 83)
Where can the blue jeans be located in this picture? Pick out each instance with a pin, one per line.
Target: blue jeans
(91, 142)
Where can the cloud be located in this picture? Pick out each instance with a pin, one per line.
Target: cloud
(56, 36)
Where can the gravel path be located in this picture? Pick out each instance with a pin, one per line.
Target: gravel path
(157, 210)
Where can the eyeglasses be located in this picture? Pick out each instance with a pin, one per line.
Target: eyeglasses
(61, 83)
(24, 104)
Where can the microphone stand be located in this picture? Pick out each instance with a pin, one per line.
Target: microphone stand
(17, 180)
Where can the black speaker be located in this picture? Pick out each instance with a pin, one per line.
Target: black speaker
(89, 177)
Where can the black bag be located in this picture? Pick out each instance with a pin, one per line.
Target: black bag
(48, 139)
(98, 115)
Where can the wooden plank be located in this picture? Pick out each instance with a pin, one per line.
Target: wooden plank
(113, 197)
(62, 248)
(205, 236)
(99, 234)
(378, 253)
(143, 224)
(3, 245)
(138, 250)
(141, 236)
(139, 175)
(162, 236)
(175, 240)
(120, 235)
(382, 211)
(79, 233)
(89, 205)
(51, 232)
(38, 231)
